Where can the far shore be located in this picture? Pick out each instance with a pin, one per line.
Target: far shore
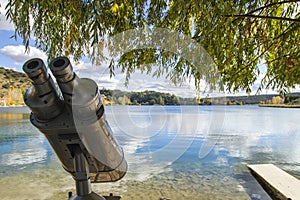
(13, 106)
(260, 105)
(279, 105)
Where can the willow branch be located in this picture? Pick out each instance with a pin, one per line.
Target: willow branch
(272, 4)
(264, 17)
(287, 30)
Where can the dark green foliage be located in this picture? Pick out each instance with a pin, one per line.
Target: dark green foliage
(142, 98)
(154, 98)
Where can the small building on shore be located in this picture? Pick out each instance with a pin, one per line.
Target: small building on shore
(3, 101)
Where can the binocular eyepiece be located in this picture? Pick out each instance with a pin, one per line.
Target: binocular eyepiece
(43, 98)
(62, 69)
(71, 116)
(36, 70)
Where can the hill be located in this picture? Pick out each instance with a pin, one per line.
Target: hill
(13, 85)
(256, 99)
(118, 97)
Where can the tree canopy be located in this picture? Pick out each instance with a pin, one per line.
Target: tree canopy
(238, 35)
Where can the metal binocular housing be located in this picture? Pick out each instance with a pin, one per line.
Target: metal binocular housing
(71, 116)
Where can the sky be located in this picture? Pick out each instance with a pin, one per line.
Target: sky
(13, 56)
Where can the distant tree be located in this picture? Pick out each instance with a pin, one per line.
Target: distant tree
(106, 92)
(15, 96)
(277, 100)
(135, 102)
(152, 102)
(124, 100)
(161, 100)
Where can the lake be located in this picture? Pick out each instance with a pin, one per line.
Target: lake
(175, 152)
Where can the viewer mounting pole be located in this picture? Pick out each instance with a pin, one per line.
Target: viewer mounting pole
(82, 178)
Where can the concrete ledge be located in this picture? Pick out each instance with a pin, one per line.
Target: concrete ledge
(277, 183)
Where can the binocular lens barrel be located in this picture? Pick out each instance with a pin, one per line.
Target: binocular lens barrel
(43, 97)
(62, 69)
(36, 70)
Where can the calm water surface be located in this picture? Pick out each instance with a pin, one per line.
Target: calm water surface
(189, 149)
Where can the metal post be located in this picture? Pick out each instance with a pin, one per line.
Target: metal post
(83, 183)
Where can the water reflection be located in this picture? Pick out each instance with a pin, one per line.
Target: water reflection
(245, 132)
(201, 148)
(157, 136)
(22, 147)
(25, 157)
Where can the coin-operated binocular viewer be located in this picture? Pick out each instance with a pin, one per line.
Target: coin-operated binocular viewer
(72, 119)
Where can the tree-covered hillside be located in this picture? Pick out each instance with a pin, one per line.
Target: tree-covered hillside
(13, 85)
(140, 98)
(118, 97)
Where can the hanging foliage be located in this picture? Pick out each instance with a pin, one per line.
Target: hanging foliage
(238, 35)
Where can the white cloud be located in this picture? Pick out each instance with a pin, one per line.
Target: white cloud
(4, 24)
(141, 82)
(87, 67)
(3, 4)
(17, 53)
(137, 82)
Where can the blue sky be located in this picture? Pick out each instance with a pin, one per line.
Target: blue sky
(12, 55)
(12, 52)
(5, 41)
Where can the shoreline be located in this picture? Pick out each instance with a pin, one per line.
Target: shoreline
(279, 105)
(15, 106)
